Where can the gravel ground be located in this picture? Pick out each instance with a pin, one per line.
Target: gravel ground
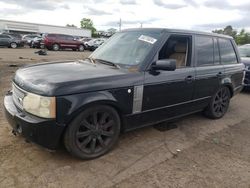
(198, 153)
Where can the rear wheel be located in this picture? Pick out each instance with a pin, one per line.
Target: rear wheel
(219, 104)
(56, 47)
(93, 132)
(81, 48)
(13, 45)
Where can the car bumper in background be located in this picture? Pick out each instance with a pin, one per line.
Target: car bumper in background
(45, 132)
(247, 78)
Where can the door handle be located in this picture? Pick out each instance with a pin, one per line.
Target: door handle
(189, 78)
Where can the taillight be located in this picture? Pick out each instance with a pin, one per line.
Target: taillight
(46, 39)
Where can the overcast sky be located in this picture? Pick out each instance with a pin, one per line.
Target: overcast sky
(185, 14)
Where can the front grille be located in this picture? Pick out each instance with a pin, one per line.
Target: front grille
(18, 95)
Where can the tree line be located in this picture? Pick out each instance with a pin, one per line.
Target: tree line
(240, 38)
(87, 23)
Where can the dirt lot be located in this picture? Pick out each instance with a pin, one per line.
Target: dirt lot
(198, 153)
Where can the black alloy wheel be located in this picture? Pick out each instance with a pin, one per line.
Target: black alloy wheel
(93, 133)
(219, 103)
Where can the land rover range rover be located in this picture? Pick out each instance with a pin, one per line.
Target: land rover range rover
(139, 77)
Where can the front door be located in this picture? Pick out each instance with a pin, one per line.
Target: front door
(169, 94)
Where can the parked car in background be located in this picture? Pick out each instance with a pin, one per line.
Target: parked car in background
(14, 35)
(244, 51)
(28, 38)
(10, 41)
(138, 78)
(59, 41)
(94, 43)
(85, 40)
(36, 42)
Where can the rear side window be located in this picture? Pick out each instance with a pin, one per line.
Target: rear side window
(4, 36)
(70, 38)
(51, 35)
(204, 50)
(227, 52)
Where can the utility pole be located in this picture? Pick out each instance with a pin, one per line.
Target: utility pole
(120, 24)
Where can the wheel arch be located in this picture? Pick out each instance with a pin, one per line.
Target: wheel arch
(82, 102)
(109, 103)
(227, 82)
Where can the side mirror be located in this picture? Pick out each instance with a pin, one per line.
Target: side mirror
(165, 64)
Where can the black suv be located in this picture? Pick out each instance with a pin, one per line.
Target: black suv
(10, 41)
(138, 78)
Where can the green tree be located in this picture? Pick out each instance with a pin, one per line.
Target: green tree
(87, 23)
(243, 37)
(228, 30)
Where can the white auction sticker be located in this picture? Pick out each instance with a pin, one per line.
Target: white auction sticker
(148, 39)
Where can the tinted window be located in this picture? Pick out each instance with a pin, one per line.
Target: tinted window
(51, 35)
(4, 36)
(204, 50)
(227, 52)
(70, 38)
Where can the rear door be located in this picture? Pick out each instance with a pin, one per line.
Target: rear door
(209, 71)
(4, 40)
(71, 42)
(233, 69)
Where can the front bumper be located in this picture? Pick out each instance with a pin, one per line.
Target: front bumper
(247, 78)
(45, 132)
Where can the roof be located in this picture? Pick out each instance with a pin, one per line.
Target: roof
(180, 31)
(12, 21)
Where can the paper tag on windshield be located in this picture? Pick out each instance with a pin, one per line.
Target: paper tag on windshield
(148, 39)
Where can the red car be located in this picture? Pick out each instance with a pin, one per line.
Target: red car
(59, 41)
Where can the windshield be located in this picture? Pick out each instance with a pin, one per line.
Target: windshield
(244, 51)
(127, 48)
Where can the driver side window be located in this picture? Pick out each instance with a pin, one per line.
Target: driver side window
(177, 47)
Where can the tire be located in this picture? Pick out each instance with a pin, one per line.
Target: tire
(93, 132)
(56, 47)
(81, 48)
(13, 45)
(219, 104)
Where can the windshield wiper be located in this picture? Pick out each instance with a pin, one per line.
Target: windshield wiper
(91, 60)
(108, 63)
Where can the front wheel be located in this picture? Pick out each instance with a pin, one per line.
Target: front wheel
(81, 48)
(13, 45)
(93, 132)
(219, 104)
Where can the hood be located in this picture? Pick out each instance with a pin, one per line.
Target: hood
(64, 78)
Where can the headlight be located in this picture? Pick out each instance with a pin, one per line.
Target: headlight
(40, 106)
